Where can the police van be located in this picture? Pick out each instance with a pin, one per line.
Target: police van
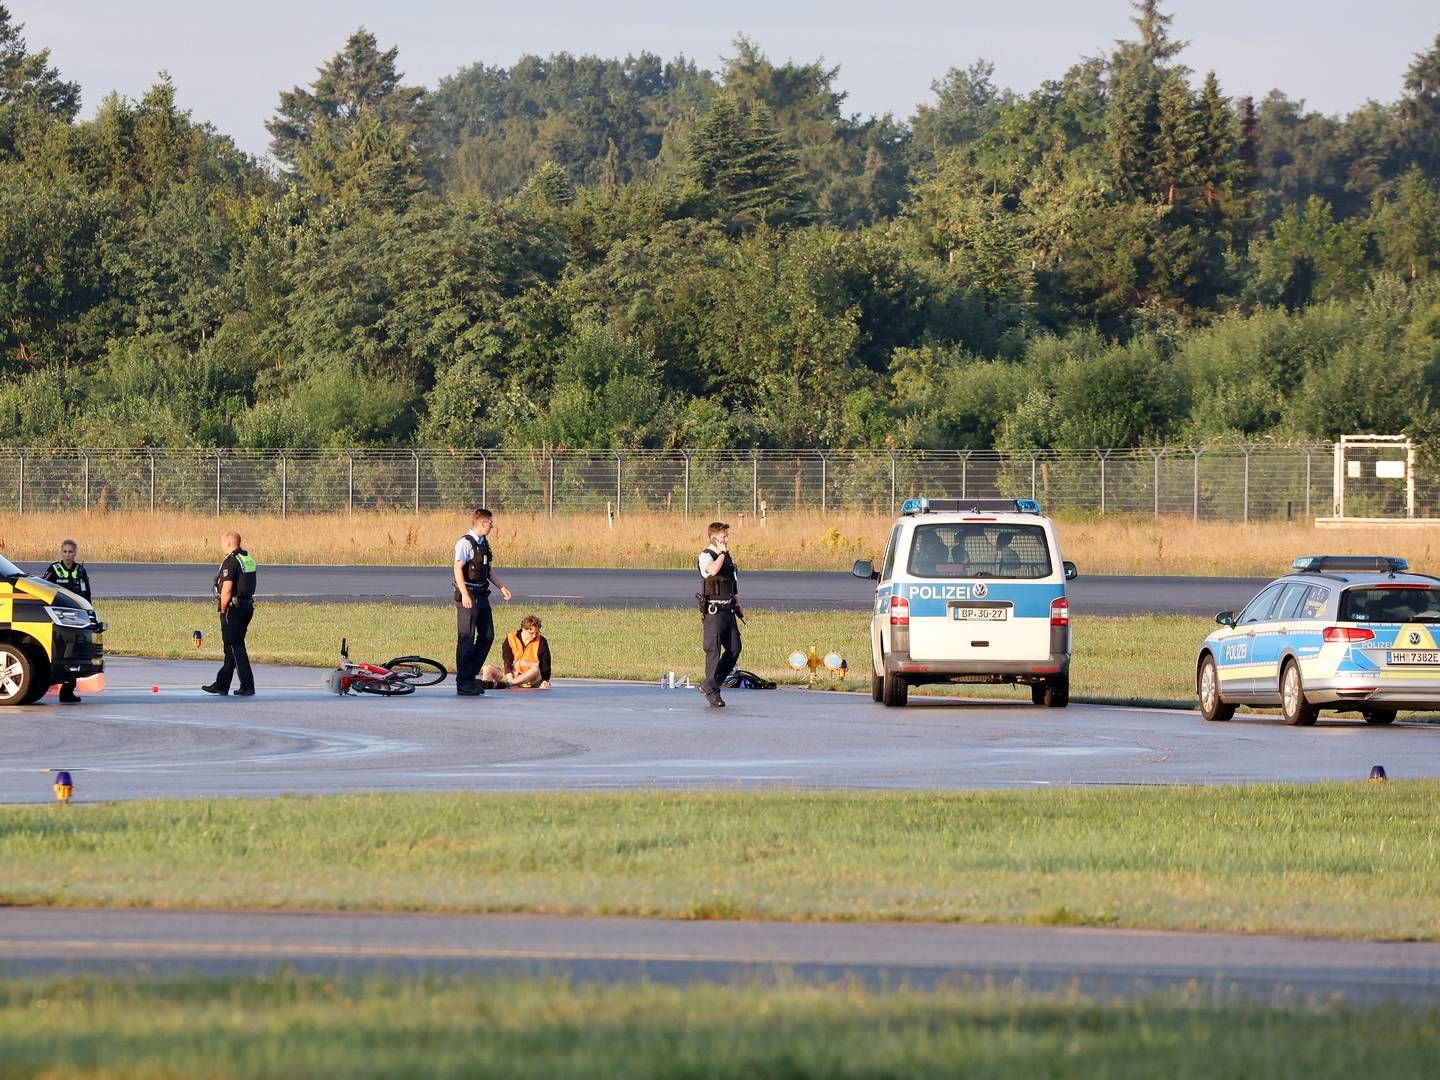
(48, 634)
(970, 591)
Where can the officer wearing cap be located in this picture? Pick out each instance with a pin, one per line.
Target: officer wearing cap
(235, 597)
(69, 574)
(474, 622)
(719, 598)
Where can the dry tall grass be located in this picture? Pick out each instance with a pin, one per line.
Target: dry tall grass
(802, 541)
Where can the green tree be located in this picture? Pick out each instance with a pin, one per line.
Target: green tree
(1420, 110)
(358, 81)
(30, 88)
(744, 168)
(1407, 227)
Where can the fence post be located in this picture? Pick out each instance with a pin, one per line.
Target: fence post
(151, 455)
(20, 485)
(1032, 474)
(1158, 455)
(1196, 451)
(892, 481)
(618, 460)
(1245, 508)
(219, 471)
(1104, 456)
(755, 481)
(1309, 450)
(686, 454)
(484, 479)
(284, 484)
(416, 455)
(824, 475)
(550, 490)
(86, 455)
(349, 482)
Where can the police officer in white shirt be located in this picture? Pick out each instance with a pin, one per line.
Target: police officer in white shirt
(719, 598)
(474, 624)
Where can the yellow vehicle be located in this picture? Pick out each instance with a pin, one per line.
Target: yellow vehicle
(47, 635)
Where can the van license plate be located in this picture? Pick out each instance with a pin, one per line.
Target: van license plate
(1421, 658)
(980, 614)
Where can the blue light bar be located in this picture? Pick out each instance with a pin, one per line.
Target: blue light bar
(992, 506)
(1365, 564)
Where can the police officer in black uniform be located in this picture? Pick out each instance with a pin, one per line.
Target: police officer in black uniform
(474, 624)
(71, 575)
(719, 598)
(235, 596)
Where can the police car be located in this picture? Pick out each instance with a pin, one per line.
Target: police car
(1342, 632)
(48, 634)
(970, 591)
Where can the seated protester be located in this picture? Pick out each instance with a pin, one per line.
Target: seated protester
(527, 659)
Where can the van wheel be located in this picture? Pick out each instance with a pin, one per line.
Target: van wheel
(895, 692)
(1293, 706)
(877, 688)
(19, 676)
(1208, 685)
(1055, 694)
(1379, 716)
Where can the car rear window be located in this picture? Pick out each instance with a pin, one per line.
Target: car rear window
(979, 550)
(1390, 603)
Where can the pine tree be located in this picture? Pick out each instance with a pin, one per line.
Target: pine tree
(28, 81)
(1178, 144)
(550, 185)
(1420, 111)
(1407, 228)
(358, 79)
(750, 173)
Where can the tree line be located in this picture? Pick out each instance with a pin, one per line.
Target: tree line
(578, 251)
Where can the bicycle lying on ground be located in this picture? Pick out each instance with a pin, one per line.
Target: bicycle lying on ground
(390, 679)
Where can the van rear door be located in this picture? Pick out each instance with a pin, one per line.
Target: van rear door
(981, 589)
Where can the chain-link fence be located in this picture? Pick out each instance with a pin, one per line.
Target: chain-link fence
(1237, 483)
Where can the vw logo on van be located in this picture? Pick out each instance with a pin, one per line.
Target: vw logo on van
(1414, 637)
(979, 590)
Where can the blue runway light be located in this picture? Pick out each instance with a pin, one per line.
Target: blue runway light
(63, 786)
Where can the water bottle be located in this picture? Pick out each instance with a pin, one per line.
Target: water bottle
(664, 681)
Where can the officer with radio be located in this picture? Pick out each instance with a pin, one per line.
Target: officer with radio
(474, 573)
(235, 598)
(720, 612)
(69, 574)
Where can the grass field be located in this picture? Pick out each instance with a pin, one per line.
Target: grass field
(1142, 659)
(801, 541)
(284, 1026)
(1344, 860)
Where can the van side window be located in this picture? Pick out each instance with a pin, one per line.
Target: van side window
(889, 567)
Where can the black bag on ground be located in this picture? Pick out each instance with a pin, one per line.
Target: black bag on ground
(739, 679)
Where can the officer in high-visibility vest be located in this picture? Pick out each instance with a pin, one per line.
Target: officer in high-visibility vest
(69, 574)
(235, 597)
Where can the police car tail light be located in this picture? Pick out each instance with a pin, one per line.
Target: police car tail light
(1060, 611)
(899, 611)
(1347, 633)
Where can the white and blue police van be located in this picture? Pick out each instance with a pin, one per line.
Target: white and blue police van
(970, 591)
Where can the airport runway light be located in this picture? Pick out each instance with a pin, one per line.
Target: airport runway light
(1377, 774)
(63, 786)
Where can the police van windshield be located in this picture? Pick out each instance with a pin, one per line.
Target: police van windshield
(979, 550)
(1388, 604)
(8, 568)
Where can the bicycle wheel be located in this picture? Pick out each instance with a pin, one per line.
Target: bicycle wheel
(384, 689)
(417, 670)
